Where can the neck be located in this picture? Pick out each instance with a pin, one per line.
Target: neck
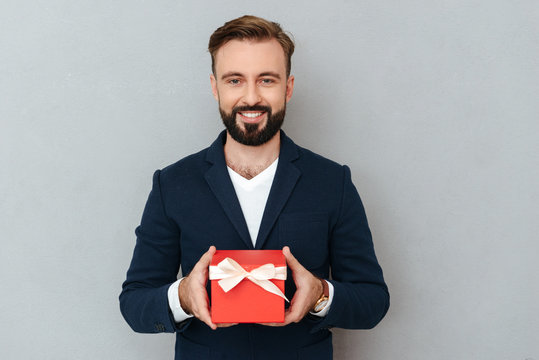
(249, 161)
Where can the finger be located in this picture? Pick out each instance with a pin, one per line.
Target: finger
(205, 259)
(294, 315)
(292, 262)
(203, 314)
(297, 310)
(272, 324)
(199, 305)
(225, 325)
(206, 318)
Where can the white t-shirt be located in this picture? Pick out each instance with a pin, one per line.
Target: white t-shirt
(253, 195)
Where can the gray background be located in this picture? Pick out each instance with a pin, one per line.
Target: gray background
(433, 104)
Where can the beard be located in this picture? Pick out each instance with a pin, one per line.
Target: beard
(252, 134)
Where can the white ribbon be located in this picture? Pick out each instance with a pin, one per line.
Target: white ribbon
(231, 274)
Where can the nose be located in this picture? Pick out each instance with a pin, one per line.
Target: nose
(252, 95)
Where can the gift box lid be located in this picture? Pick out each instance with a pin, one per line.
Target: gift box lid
(250, 259)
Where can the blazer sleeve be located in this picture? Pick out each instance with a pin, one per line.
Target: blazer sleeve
(154, 267)
(361, 297)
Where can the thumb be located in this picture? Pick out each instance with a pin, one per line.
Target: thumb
(205, 259)
(209, 255)
(292, 262)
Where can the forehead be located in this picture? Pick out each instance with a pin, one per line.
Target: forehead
(247, 56)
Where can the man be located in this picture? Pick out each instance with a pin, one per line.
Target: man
(253, 188)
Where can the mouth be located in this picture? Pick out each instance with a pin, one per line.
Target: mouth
(251, 116)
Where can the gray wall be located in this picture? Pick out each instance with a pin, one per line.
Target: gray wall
(433, 104)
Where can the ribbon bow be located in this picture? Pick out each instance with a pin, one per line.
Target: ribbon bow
(231, 274)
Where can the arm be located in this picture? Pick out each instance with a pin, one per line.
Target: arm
(154, 267)
(361, 297)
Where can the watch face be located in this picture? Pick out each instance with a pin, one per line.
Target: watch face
(322, 304)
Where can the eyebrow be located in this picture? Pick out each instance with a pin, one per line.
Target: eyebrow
(230, 74)
(235, 73)
(271, 73)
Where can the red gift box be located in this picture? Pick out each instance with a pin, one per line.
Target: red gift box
(253, 279)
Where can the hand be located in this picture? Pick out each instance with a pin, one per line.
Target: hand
(192, 291)
(308, 290)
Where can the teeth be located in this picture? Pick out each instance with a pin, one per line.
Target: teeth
(251, 115)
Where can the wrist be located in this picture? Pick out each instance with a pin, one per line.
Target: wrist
(323, 299)
(182, 291)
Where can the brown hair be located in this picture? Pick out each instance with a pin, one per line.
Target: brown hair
(250, 27)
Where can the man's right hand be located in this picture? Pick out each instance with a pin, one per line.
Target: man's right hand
(192, 290)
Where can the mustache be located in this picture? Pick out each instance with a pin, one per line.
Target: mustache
(238, 109)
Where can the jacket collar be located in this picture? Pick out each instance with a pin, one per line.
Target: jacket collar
(286, 176)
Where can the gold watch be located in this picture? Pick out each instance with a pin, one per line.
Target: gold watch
(323, 300)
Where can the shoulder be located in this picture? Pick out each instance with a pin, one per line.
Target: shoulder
(319, 172)
(305, 158)
(308, 157)
(311, 163)
(193, 165)
(198, 163)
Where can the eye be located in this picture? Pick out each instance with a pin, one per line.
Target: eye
(267, 81)
(234, 81)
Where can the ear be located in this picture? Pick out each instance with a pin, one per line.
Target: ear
(289, 87)
(214, 87)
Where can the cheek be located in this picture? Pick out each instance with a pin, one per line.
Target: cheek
(229, 97)
(277, 102)
(276, 98)
(226, 100)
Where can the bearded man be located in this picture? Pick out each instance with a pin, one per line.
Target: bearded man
(253, 188)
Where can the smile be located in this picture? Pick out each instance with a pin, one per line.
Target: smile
(252, 117)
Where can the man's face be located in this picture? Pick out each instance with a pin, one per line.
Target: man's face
(252, 89)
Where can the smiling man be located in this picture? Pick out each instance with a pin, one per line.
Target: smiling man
(252, 85)
(253, 188)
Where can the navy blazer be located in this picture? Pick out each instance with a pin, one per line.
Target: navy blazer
(313, 207)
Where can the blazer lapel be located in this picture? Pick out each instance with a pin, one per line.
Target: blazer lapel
(286, 177)
(219, 181)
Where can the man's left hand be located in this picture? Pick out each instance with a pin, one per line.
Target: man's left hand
(308, 291)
